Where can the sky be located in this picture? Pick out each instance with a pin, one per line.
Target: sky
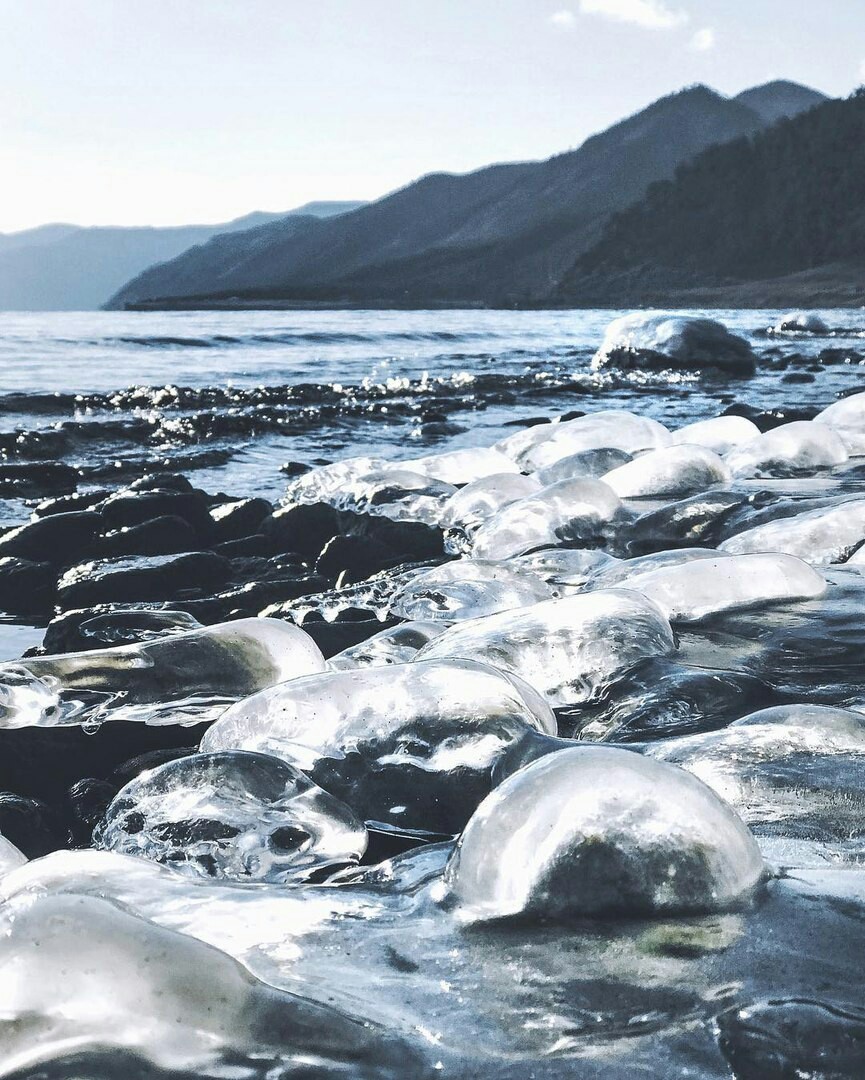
(133, 112)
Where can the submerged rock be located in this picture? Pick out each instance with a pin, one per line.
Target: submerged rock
(596, 831)
(412, 746)
(233, 816)
(647, 340)
(569, 648)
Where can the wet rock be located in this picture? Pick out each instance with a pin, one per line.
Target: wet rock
(60, 539)
(158, 577)
(354, 558)
(304, 528)
(26, 587)
(128, 508)
(469, 589)
(30, 825)
(584, 465)
(239, 518)
(596, 831)
(87, 801)
(103, 627)
(396, 645)
(335, 637)
(248, 546)
(25, 480)
(64, 504)
(162, 481)
(232, 816)
(647, 340)
(767, 420)
(160, 536)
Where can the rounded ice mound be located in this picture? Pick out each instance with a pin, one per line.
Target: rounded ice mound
(646, 340)
(396, 493)
(673, 472)
(721, 434)
(819, 537)
(182, 678)
(10, 856)
(473, 504)
(801, 322)
(567, 511)
(395, 645)
(135, 999)
(541, 446)
(569, 648)
(412, 746)
(795, 771)
(847, 418)
(598, 831)
(788, 450)
(461, 466)
(584, 465)
(566, 570)
(232, 816)
(468, 589)
(321, 484)
(699, 588)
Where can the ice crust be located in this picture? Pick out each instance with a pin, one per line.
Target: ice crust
(651, 339)
(673, 472)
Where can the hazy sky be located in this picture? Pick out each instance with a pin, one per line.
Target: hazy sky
(177, 111)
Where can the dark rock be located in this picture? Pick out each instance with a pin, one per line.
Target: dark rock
(106, 627)
(840, 356)
(252, 598)
(60, 539)
(128, 770)
(30, 825)
(771, 418)
(294, 468)
(160, 536)
(333, 637)
(354, 557)
(64, 504)
(243, 517)
(25, 480)
(409, 540)
(257, 544)
(128, 508)
(26, 588)
(86, 802)
(797, 377)
(161, 481)
(159, 577)
(527, 421)
(692, 522)
(303, 527)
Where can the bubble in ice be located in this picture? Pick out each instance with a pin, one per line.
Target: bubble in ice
(673, 472)
(565, 512)
(476, 502)
(234, 816)
(461, 466)
(469, 589)
(661, 340)
(412, 746)
(182, 678)
(89, 989)
(394, 645)
(599, 831)
(698, 588)
(795, 771)
(10, 856)
(541, 446)
(800, 447)
(827, 535)
(568, 648)
(721, 433)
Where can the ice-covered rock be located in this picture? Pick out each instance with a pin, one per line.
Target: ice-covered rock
(820, 537)
(847, 419)
(462, 466)
(234, 816)
(395, 645)
(393, 492)
(412, 746)
(794, 771)
(567, 511)
(183, 678)
(476, 502)
(721, 434)
(699, 588)
(566, 570)
(10, 856)
(646, 340)
(321, 484)
(672, 472)
(597, 831)
(543, 445)
(801, 322)
(584, 465)
(469, 589)
(799, 447)
(88, 989)
(569, 648)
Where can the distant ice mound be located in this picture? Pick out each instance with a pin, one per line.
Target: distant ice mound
(646, 341)
(789, 450)
(800, 322)
(596, 831)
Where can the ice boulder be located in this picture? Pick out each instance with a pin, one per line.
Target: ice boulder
(598, 831)
(569, 648)
(543, 445)
(412, 746)
(182, 678)
(801, 322)
(232, 816)
(827, 535)
(396, 493)
(568, 511)
(473, 504)
(721, 434)
(321, 484)
(788, 450)
(699, 588)
(393, 645)
(566, 570)
(469, 589)
(88, 989)
(646, 340)
(847, 418)
(584, 465)
(462, 466)
(673, 472)
(10, 856)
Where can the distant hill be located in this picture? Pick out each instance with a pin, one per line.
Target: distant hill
(503, 235)
(780, 100)
(69, 267)
(769, 219)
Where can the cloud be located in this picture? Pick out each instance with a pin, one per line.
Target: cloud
(565, 20)
(703, 40)
(650, 14)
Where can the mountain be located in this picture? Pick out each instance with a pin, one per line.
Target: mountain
(500, 236)
(767, 219)
(780, 100)
(67, 267)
